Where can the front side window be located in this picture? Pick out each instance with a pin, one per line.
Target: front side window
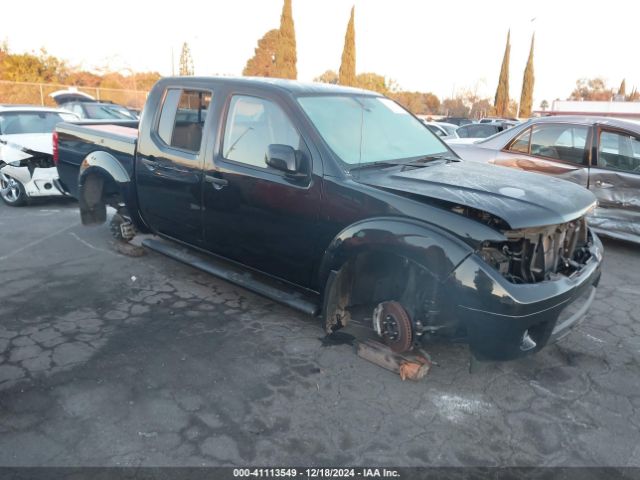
(560, 142)
(252, 125)
(365, 129)
(619, 151)
(182, 118)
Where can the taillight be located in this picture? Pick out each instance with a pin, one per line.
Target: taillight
(56, 152)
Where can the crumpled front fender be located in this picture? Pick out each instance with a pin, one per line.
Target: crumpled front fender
(427, 245)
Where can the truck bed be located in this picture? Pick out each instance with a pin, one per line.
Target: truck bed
(79, 139)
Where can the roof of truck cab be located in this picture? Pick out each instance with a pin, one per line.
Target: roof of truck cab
(292, 86)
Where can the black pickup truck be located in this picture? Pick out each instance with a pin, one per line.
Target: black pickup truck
(340, 203)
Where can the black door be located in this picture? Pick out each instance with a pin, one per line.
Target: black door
(254, 214)
(169, 166)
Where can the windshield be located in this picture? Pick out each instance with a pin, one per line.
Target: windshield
(12, 123)
(365, 129)
(106, 112)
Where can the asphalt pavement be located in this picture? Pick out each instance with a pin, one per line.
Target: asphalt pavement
(111, 360)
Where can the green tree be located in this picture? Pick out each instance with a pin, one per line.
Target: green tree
(186, 62)
(502, 92)
(286, 57)
(347, 73)
(262, 64)
(327, 77)
(526, 97)
(544, 105)
(623, 88)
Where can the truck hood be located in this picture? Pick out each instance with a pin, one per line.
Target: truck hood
(521, 199)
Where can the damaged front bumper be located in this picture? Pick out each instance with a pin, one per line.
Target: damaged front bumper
(505, 320)
(37, 182)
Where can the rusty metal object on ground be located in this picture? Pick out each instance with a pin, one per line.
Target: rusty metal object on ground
(411, 366)
(128, 249)
(391, 321)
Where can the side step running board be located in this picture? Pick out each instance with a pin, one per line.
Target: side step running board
(254, 281)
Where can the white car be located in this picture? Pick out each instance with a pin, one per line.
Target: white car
(26, 152)
(442, 129)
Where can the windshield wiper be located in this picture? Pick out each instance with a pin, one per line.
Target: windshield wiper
(381, 163)
(430, 158)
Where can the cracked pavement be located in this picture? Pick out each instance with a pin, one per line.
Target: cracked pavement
(111, 360)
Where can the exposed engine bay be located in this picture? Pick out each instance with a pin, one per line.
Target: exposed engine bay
(534, 255)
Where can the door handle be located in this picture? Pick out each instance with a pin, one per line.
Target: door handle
(601, 184)
(218, 183)
(150, 163)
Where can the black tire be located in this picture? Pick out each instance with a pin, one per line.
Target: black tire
(12, 191)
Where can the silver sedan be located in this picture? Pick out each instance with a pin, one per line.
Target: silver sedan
(599, 153)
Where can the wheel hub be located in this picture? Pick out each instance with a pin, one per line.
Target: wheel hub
(392, 323)
(9, 188)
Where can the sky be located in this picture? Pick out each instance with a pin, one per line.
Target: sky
(443, 47)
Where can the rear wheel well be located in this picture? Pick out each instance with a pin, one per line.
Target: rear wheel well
(97, 191)
(369, 278)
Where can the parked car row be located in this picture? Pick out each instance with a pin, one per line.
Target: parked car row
(469, 132)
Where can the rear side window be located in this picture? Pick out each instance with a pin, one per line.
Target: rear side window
(182, 118)
(619, 151)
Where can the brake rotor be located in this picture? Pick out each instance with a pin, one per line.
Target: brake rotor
(391, 321)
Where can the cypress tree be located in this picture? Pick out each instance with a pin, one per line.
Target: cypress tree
(186, 62)
(526, 97)
(347, 73)
(623, 88)
(286, 58)
(502, 92)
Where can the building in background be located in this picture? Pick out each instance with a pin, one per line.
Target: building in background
(629, 110)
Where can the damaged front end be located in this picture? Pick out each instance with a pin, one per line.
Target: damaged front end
(533, 255)
(35, 171)
(515, 296)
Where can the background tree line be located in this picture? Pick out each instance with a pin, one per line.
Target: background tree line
(41, 67)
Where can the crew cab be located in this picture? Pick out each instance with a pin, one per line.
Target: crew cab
(338, 202)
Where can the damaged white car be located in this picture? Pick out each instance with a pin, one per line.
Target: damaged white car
(26, 152)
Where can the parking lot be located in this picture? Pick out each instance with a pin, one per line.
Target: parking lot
(107, 359)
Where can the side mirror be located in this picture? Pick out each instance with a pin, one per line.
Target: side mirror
(283, 158)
